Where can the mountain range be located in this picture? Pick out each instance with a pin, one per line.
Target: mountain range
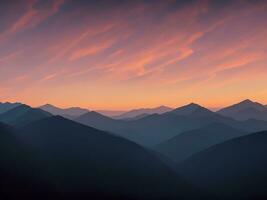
(189, 152)
(22, 115)
(111, 113)
(68, 112)
(245, 110)
(148, 129)
(139, 113)
(74, 112)
(7, 106)
(154, 129)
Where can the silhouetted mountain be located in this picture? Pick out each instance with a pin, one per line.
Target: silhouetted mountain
(99, 121)
(188, 143)
(192, 109)
(7, 106)
(77, 161)
(152, 129)
(111, 113)
(23, 115)
(16, 169)
(143, 111)
(245, 110)
(149, 130)
(235, 169)
(136, 117)
(68, 112)
(252, 125)
(157, 128)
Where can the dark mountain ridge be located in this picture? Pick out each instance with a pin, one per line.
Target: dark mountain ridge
(235, 169)
(76, 160)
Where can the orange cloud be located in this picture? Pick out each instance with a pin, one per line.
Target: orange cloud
(91, 50)
(135, 54)
(31, 18)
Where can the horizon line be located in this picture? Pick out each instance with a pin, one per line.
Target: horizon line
(212, 108)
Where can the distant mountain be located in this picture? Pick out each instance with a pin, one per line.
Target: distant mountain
(23, 115)
(136, 117)
(193, 110)
(111, 113)
(235, 169)
(149, 130)
(68, 112)
(68, 160)
(154, 129)
(99, 121)
(143, 111)
(188, 143)
(245, 110)
(7, 106)
(214, 109)
(252, 125)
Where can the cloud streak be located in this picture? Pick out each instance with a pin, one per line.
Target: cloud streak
(133, 48)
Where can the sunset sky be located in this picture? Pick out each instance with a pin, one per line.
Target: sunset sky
(122, 54)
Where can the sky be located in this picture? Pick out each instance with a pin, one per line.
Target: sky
(122, 54)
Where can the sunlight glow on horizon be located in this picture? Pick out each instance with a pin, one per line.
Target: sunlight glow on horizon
(136, 54)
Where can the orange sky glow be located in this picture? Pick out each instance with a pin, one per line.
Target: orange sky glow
(127, 54)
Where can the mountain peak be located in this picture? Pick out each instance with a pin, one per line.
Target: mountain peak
(194, 105)
(189, 109)
(73, 111)
(143, 111)
(93, 115)
(48, 105)
(244, 110)
(247, 102)
(162, 107)
(23, 107)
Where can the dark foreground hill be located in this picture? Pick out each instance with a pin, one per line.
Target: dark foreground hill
(17, 171)
(235, 169)
(188, 143)
(55, 158)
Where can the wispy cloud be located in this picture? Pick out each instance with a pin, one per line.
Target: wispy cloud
(156, 49)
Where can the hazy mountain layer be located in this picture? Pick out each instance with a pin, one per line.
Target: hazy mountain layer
(188, 143)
